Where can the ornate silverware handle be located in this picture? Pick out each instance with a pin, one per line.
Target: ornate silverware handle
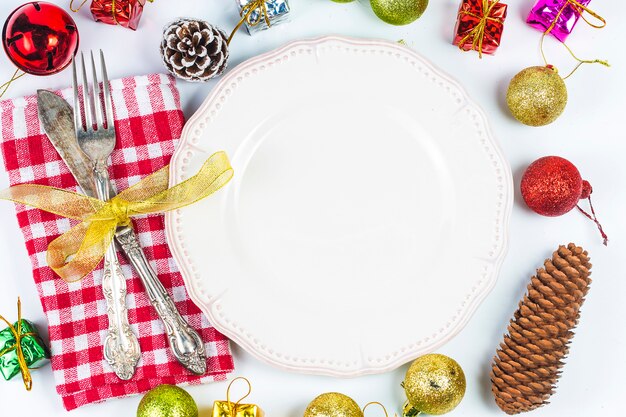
(185, 342)
(121, 347)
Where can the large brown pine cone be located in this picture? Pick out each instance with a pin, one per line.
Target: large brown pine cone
(527, 365)
(194, 50)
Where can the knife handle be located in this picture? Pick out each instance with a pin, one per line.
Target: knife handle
(121, 347)
(185, 342)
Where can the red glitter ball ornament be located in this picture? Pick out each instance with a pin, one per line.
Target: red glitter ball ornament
(552, 186)
(40, 38)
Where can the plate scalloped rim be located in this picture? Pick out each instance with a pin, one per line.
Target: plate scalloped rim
(247, 342)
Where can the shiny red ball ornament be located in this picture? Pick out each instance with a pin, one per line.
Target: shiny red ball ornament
(40, 38)
(552, 186)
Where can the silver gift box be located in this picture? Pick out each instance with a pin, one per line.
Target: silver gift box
(277, 12)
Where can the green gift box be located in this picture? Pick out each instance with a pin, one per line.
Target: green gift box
(34, 350)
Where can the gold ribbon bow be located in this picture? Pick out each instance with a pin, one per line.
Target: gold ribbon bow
(18, 335)
(477, 34)
(246, 16)
(79, 251)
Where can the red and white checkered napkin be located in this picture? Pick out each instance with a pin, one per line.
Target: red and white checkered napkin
(148, 122)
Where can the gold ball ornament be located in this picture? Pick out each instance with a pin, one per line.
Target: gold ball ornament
(333, 404)
(167, 401)
(537, 96)
(434, 384)
(399, 12)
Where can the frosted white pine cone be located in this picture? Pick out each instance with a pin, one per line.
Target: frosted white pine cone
(194, 50)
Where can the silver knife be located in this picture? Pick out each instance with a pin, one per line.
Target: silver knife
(186, 344)
(121, 347)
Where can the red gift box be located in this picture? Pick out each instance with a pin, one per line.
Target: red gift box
(479, 26)
(126, 13)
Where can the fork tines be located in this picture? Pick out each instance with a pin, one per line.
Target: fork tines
(90, 107)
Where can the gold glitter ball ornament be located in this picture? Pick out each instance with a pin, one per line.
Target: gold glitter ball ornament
(167, 401)
(333, 404)
(537, 96)
(399, 12)
(434, 384)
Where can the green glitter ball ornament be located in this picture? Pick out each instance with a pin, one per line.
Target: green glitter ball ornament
(167, 401)
(399, 12)
(434, 384)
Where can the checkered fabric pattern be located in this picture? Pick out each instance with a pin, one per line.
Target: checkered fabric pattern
(148, 121)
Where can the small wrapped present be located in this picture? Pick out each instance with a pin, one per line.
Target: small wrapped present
(21, 349)
(126, 13)
(229, 409)
(479, 26)
(558, 17)
(259, 15)
(236, 409)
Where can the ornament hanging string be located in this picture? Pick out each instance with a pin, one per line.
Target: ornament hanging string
(232, 407)
(18, 335)
(247, 13)
(580, 8)
(113, 8)
(4, 87)
(477, 34)
(594, 218)
(381, 406)
(76, 9)
(77, 252)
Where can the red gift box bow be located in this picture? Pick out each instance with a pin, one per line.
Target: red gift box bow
(477, 34)
(113, 8)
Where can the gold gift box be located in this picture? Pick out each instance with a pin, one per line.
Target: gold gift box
(224, 408)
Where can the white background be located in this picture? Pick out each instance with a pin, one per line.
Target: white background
(590, 134)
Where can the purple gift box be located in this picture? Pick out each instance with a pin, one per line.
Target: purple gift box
(565, 12)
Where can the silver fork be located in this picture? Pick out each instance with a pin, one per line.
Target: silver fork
(186, 344)
(121, 347)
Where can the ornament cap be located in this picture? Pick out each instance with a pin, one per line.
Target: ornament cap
(587, 190)
(409, 411)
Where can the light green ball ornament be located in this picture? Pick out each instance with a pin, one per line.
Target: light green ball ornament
(343, 1)
(399, 12)
(167, 401)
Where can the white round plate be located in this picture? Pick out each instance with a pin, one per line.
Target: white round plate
(368, 214)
